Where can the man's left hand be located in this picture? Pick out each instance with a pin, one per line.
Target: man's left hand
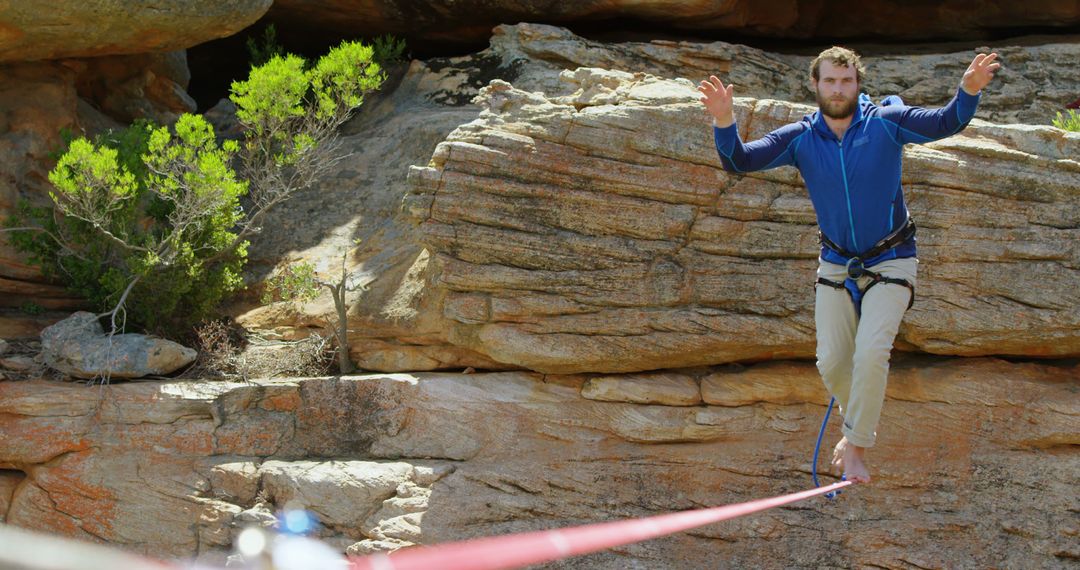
(979, 73)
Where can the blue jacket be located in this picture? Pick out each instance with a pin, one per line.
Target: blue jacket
(854, 183)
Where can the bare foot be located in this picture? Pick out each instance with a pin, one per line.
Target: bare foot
(848, 459)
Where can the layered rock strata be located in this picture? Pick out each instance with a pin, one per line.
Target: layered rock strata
(975, 464)
(404, 322)
(1035, 81)
(595, 232)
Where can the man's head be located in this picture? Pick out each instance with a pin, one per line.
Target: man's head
(835, 76)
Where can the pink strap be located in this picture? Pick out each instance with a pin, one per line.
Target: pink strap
(516, 550)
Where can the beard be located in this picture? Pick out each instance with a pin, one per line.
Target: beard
(837, 108)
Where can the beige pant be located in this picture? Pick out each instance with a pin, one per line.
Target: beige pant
(853, 352)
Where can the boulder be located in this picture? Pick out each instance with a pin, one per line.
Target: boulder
(65, 29)
(79, 347)
(143, 86)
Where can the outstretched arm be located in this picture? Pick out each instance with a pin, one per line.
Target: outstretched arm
(770, 151)
(918, 125)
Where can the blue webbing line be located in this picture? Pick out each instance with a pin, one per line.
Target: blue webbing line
(817, 449)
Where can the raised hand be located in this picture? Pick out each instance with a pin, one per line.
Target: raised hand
(718, 100)
(979, 73)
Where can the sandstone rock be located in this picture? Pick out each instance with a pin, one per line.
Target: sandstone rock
(413, 310)
(362, 198)
(368, 546)
(78, 346)
(766, 382)
(18, 363)
(38, 101)
(342, 494)
(666, 389)
(236, 481)
(462, 22)
(949, 448)
(9, 482)
(261, 515)
(3, 346)
(217, 523)
(586, 238)
(110, 27)
(1033, 84)
(144, 86)
(381, 502)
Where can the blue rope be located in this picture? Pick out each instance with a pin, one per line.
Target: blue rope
(817, 450)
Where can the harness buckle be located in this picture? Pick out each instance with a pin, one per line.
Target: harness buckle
(855, 268)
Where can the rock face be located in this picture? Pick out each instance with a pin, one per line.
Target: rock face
(470, 21)
(36, 102)
(976, 463)
(578, 234)
(32, 31)
(417, 316)
(79, 347)
(1035, 82)
(128, 87)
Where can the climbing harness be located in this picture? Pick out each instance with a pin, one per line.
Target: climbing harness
(855, 266)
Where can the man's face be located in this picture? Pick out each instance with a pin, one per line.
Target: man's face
(837, 90)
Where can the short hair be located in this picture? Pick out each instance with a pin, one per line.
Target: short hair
(838, 56)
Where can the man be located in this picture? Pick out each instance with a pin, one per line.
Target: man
(849, 154)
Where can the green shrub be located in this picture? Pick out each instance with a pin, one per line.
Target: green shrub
(300, 282)
(1070, 121)
(32, 308)
(265, 48)
(148, 221)
(388, 49)
(148, 206)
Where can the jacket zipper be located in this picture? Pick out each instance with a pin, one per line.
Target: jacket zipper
(847, 194)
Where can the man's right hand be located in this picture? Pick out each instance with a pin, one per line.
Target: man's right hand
(718, 101)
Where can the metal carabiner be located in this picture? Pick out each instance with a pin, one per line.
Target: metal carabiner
(855, 268)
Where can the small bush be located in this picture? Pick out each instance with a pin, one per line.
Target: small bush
(152, 215)
(299, 282)
(141, 203)
(265, 48)
(1070, 121)
(31, 308)
(388, 49)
